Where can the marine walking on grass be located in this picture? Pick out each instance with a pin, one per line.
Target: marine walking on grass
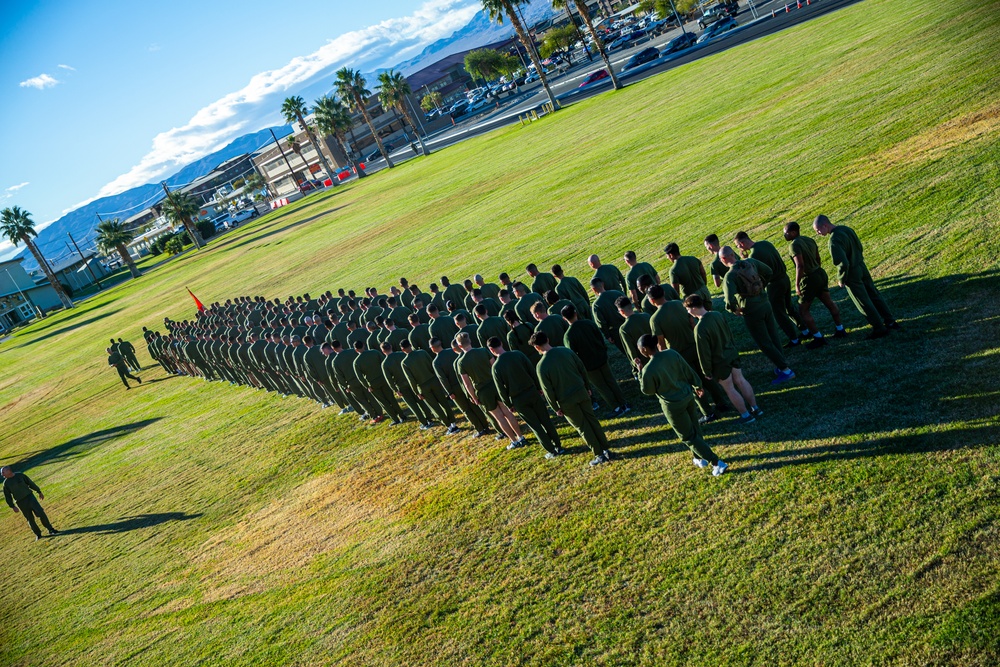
(19, 492)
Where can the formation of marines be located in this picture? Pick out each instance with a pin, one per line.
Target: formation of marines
(523, 351)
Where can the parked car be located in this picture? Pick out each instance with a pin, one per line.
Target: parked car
(595, 76)
(241, 216)
(376, 154)
(719, 11)
(722, 25)
(644, 56)
(659, 27)
(679, 43)
(628, 39)
(534, 76)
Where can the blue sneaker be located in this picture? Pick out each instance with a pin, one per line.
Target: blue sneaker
(784, 376)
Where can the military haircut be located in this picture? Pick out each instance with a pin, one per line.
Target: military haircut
(595, 282)
(494, 343)
(569, 312)
(656, 292)
(644, 282)
(308, 340)
(463, 338)
(511, 317)
(405, 345)
(694, 301)
(432, 308)
(647, 342)
(556, 270)
(386, 346)
(712, 238)
(552, 297)
(538, 307)
(480, 309)
(672, 249)
(630, 255)
(741, 236)
(623, 303)
(359, 345)
(530, 268)
(539, 338)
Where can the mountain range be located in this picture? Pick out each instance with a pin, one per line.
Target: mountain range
(80, 222)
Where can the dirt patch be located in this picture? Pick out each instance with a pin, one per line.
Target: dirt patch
(935, 142)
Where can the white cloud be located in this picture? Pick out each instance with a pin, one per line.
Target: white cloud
(41, 82)
(67, 67)
(15, 188)
(153, 48)
(257, 103)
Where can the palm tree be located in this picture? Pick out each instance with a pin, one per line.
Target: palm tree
(112, 235)
(254, 183)
(393, 89)
(16, 224)
(179, 209)
(350, 86)
(581, 8)
(294, 109)
(334, 119)
(497, 9)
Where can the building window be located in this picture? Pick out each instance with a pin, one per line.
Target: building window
(26, 311)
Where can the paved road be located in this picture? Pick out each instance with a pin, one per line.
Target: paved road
(566, 86)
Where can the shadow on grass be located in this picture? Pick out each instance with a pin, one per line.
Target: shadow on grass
(253, 237)
(78, 446)
(129, 523)
(68, 328)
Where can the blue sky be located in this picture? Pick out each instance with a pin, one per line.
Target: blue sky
(98, 97)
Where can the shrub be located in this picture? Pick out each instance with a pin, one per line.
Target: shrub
(155, 249)
(174, 245)
(206, 228)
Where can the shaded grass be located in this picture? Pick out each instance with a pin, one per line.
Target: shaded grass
(859, 522)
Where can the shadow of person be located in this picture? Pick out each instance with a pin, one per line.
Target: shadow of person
(129, 523)
(78, 446)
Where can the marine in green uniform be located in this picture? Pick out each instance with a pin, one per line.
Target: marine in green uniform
(744, 291)
(687, 274)
(571, 288)
(583, 337)
(392, 369)
(674, 330)
(357, 394)
(606, 315)
(517, 384)
(672, 380)
(811, 282)
(609, 274)
(645, 284)
(128, 354)
(490, 326)
(489, 290)
(556, 303)
(368, 366)
(541, 282)
(636, 269)
(420, 334)
(452, 293)
(444, 368)
(779, 288)
(418, 366)
(474, 368)
(17, 491)
(441, 327)
(115, 360)
(517, 337)
(553, 325)
(563, 379)
(633, 326)
(719, 359)
(525, 300)
(853, 275)
(716, 268)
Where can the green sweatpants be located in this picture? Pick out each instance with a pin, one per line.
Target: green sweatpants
(866, 297)
(532, 409)
(334, 392)
(607, 386)
(683, 418)
(362, 401)
(779, 295)
(387, 401)
(437, 402)
(582, 417)
(760, 323)
(417, 407)
(714, 389)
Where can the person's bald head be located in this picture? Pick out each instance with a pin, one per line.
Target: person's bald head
(822, 225)
(728, 256)
(594, 261)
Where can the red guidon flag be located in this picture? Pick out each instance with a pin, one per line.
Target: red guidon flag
(197, 303)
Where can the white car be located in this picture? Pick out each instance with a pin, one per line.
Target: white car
(241, 216)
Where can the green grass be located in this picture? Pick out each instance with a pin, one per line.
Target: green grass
(858, 524)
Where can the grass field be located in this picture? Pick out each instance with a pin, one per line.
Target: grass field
(209, 524)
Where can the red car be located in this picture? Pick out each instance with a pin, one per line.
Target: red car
(595, 76)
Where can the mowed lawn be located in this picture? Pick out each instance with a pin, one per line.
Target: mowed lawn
(210, 524)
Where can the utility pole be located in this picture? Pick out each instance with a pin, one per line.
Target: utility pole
(680, 21)
(283, 156)
(85, 262)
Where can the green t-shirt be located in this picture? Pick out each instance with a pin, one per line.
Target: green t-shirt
(668, 377)
(764, 251)
(542, 283)
(493, 326)
(563, 378)
(730, 287)
(392, 369)
(806, 248)
(612, 277)
(640, 269)
(418, 366)
(514, 374)
(714, 341)
(606, 314)
(847, 253)
(717, 268)
(586, 339)
(687, 272)
(476, 364)
(672, 321)
(444, 368)
(554, 327)
(631, 330)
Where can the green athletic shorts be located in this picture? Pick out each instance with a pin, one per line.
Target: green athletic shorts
(488, 396)
(724, 370)
(813, 285)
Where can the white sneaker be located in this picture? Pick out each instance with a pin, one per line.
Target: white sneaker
(700, 463)
(719, 468)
